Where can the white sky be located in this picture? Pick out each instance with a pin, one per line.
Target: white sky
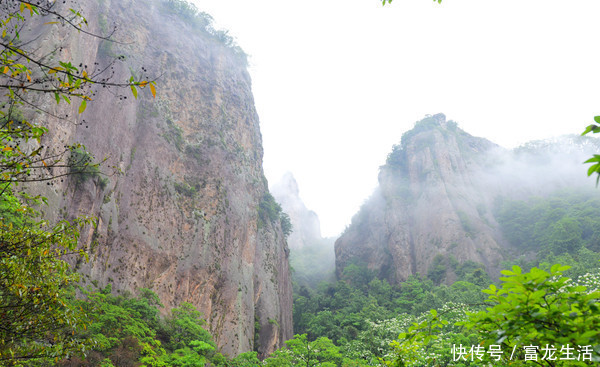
(337, 83)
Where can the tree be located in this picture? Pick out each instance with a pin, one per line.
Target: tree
(27, 77)
(595, 160)
(36, 320)
(540, 310)
(543, 309)
(301, 352)
(248, 359)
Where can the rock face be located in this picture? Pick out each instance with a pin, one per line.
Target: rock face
(305, 222)
(182, 216)
(435, 200)
(311, 255)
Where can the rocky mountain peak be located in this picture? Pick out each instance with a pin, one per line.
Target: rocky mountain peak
(427, 204)
(287, 185)
(435, 205)
(306, 227)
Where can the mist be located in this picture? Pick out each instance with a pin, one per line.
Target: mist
(540, 167)
(312, 256)
(439, 191)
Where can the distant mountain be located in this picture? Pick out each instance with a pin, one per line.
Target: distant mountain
(311, 256)
(305, 223)
(436, 198)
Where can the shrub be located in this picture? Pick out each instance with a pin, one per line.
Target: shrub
(82, 168)
(286, 224)
(190, 14)
(185, 189)
(268, 209)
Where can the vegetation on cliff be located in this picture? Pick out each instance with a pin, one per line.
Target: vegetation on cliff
(360, 320)
(189, 13)
(37, 322)
(534, 310)
(42, 321)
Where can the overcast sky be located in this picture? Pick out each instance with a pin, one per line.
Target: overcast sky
(336, 83)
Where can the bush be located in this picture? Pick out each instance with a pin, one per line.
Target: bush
(437, 270)
(268, 209)
(82, 168)
(286, 224)
(190, 14)
(185, 189)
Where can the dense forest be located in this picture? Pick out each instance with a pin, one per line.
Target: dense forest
(358, 320)
(542, 310)
(364, 315)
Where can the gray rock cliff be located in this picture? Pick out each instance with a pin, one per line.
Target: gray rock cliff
(181, 217)
(436, 197)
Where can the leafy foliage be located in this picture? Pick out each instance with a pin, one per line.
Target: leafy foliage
(269, 211)
(302, 352)
(24, 74)
(286, 224)
(202, 21)
(561, 223)
(129, 332)
(82, 167)
(36, 320)
(539, 308)
(595, 160)
(343, 310)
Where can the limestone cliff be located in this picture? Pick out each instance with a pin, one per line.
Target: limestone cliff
(181, 217)
(435, 199)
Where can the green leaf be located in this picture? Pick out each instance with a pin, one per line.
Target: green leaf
(595, 158)
(588, 129)
(538, 294)
(82, 106)
(564, 268)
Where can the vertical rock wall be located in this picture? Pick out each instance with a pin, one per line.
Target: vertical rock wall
(435, 204)
(428, 203)
(179, 211)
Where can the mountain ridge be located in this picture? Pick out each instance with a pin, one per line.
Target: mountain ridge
(436, 197)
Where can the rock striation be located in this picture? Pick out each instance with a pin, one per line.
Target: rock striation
(178, 212)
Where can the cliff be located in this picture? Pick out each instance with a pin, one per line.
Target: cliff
(311, 255)
(178, 212)
(435, 201)
(305, 223)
